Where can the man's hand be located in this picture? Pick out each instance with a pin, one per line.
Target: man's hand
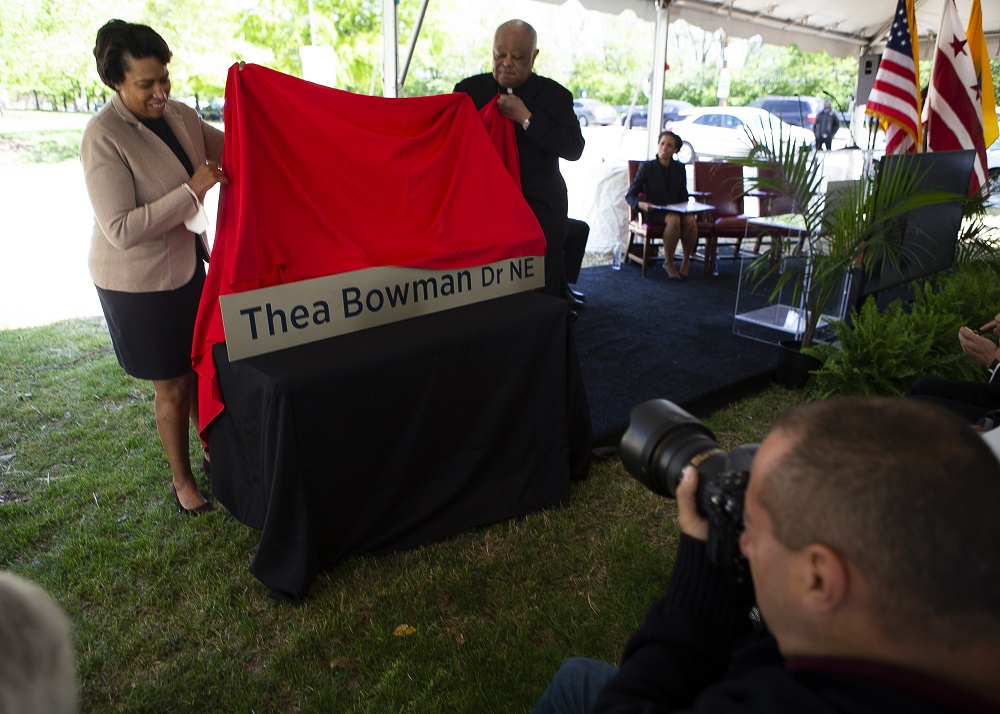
(982, 349)
(993, 324)
(513, 108)
(690, 521)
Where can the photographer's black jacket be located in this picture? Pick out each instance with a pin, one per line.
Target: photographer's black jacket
(679, 660)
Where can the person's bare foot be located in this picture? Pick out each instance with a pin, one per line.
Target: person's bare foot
(685, 267)
(671, 272)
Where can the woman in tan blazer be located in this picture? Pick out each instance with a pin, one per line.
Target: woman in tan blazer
(148, 162)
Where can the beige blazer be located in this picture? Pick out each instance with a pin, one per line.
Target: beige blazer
(136, 188)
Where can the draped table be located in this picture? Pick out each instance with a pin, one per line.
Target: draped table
(391, 437)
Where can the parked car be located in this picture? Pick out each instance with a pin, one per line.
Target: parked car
(592, 111)
(797, 110)
(673, 109)
(731, 131)
(213, 110)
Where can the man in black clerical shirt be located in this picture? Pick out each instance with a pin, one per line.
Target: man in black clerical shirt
(547, 130)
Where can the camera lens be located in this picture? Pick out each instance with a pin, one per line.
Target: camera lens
(660, 441)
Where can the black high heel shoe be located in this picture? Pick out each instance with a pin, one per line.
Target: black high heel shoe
(206, 507)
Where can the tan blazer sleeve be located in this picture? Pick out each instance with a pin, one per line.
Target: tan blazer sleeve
(136, 188)
(111, 187)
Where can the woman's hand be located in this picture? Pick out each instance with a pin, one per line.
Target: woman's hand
(206, 176)
(982, 349)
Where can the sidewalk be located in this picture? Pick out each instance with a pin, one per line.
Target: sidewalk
(47, 222)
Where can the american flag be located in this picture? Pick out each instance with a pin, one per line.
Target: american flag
(954, 106)
(894, 96)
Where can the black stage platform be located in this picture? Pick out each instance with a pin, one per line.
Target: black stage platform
(641, 339)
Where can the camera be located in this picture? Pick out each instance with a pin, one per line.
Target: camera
(660, 441)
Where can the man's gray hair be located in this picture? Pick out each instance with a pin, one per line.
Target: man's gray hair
(37, 666)
(520, 26)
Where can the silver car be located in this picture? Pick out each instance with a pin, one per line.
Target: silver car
(592, 111)
(720, 132)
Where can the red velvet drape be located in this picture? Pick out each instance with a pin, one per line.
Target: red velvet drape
(323, 181)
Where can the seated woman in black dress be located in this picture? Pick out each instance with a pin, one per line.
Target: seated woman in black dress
(659, 182)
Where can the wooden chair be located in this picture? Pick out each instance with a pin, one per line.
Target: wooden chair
(645, 238)
(720, 184)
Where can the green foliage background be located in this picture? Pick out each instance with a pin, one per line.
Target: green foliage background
(883, 352)
(46, 49)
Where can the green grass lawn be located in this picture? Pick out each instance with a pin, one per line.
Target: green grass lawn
(168, 617)
(29, 137)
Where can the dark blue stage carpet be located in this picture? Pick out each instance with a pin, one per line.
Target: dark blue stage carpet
(640, 339)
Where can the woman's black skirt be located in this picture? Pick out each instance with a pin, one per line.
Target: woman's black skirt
(152, 332)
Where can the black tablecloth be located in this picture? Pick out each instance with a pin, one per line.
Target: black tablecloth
(394, 436)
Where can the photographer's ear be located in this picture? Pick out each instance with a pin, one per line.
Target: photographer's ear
(825, 578)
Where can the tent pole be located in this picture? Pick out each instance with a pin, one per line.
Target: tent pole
(413, 42)
(655, 120)
(390, 49)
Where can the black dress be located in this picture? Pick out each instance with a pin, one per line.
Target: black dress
(661, 184)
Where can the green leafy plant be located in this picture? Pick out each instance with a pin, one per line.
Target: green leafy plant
(884, 352)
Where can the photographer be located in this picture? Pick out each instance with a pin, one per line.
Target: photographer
(871, 532)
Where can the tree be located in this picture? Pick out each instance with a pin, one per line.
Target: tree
(203, 39)
(47, 48)
(787, 71)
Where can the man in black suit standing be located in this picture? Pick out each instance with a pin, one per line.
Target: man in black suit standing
(547, 130)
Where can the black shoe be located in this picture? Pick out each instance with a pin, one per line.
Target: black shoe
(572, 315)
(575, 303)
(576, 293)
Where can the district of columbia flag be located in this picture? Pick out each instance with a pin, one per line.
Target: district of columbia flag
(954, 102)
(895, 96)
(981, 63)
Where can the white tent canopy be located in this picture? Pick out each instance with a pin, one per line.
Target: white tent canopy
(843, 28)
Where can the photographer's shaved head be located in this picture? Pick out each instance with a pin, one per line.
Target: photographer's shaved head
(887, 512)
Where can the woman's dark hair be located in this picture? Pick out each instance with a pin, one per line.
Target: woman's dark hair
(677, 138)
(118, 38)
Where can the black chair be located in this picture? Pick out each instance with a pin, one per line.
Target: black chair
(927, 236)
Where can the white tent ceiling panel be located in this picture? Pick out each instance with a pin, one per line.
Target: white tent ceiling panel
(841, 27)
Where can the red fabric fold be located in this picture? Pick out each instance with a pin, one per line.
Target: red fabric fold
(323, 181)
(504, 137)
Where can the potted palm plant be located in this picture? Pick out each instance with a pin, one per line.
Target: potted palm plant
(858, 232)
